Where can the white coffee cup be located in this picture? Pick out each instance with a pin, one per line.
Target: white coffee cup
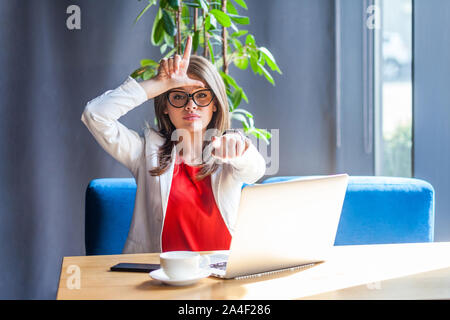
(182, 264)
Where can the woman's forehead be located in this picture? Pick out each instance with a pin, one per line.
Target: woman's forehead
(192, 88)
(195, 77)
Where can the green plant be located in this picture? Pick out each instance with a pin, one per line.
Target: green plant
(208, 22)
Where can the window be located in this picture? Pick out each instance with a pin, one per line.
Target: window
(393, 87)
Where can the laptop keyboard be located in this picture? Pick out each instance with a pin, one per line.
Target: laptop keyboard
(219, 265)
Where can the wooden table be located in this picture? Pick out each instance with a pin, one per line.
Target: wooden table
(391, 271)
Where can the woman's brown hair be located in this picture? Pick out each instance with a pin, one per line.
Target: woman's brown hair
(203, 69)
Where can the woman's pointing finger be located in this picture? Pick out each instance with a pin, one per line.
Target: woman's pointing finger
(187, 49)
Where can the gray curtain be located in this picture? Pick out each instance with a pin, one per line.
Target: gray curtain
(47, 155)
(49, 72)
(431, 105)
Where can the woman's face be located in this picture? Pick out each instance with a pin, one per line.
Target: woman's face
(191, 117)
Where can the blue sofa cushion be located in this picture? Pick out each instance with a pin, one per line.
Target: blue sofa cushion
(380, 210)
(109, 209)
(375, 210)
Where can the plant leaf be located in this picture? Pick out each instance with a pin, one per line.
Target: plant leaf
(185, 15)
(230, 103)
(168, 39)
(247, 114)
(169, 24)
(196, 40)
(138, 72)
(213, 22)
(254, 63)
(237, 44)
(250, 41)
(204, 5)
(150, 3)
(211, 52)
(239, 33)
(265, 133)
(240, 19)
(221, 17)
(233, 26)
(207, 22)
(157, 35)
(241, 62)
(266, 74)
(147, 74)
(231, 8)
(240, 117)
(241, 3)
(268, 57)
(175, 4)
(257, 133)
(237, 97)
(229, 79)
(192, 4)
(261, 59)
(163, 4)
(148, 62)
(163, 48)
(244, 96)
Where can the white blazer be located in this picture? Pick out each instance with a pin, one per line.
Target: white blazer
(138, 154)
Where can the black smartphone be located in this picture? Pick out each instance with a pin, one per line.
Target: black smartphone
(135, 267)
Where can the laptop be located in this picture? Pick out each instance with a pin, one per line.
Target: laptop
(283, 226)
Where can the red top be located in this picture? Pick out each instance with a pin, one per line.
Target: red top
(193, 222)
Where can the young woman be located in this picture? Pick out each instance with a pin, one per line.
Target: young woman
(190, 171)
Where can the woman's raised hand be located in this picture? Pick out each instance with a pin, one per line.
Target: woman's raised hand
(173, 71)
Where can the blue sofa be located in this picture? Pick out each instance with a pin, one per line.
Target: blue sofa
(376, 210)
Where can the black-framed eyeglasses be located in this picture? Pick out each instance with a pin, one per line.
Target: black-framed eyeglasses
(179, 99)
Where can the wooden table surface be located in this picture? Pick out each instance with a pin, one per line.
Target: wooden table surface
(390, 271)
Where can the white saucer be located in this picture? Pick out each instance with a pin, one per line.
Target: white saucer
(161, 276)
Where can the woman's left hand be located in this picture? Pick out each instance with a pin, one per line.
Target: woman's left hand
(229, 146)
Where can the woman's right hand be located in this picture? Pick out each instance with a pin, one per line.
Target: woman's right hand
(173, 71)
